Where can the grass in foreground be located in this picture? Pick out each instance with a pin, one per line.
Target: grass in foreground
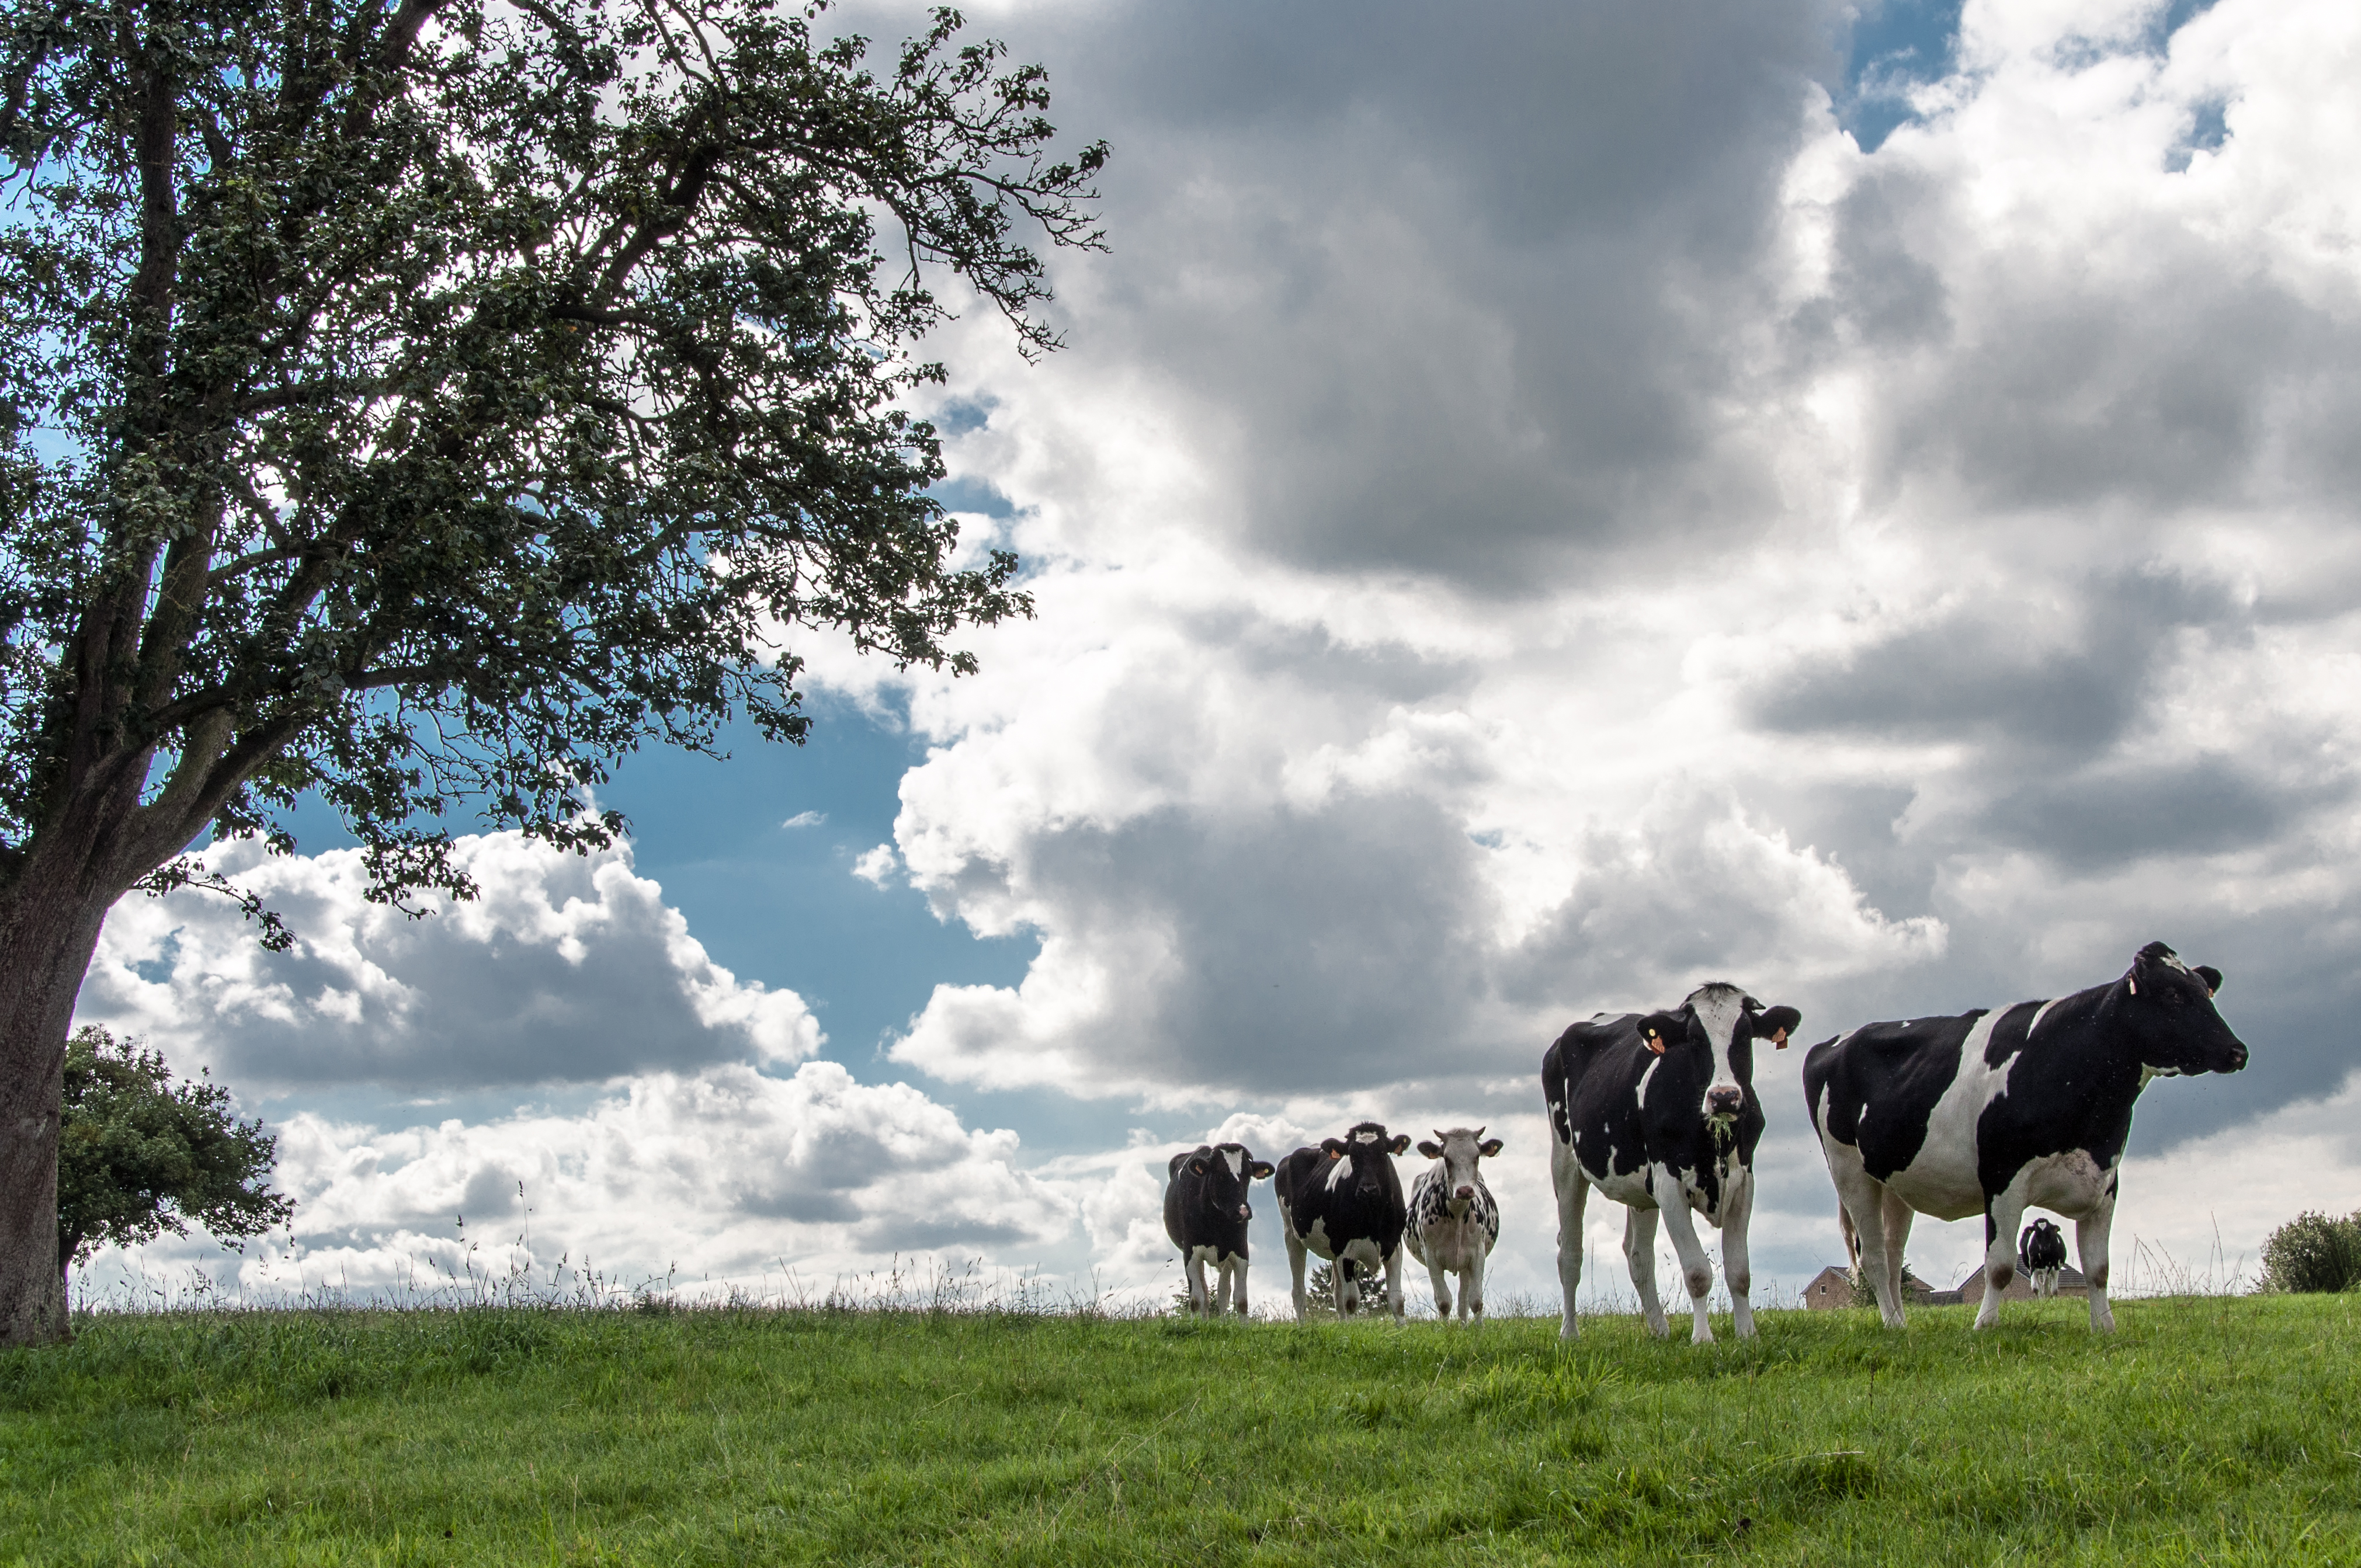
(2208, 1430)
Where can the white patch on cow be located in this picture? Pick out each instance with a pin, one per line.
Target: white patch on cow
(1717, 1009)
(2072, 1184)
(1316, 1239)
(1363, 1252)
(1941, 1180)
(2037, 1017)
(1645, 1074)
(1202, 1253)
(1340, 1169)
(1238, 1160)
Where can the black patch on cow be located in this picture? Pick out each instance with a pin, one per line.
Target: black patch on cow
(1367, 1205)
(2042, 1245)
(1206, 1203)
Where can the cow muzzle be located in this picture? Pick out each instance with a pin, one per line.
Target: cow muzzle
(1244, 1212)
(1720, 1102)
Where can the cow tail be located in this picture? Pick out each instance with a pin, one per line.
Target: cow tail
(1851, 1238)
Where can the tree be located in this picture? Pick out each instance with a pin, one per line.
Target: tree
(137, 1157)
(424, 402)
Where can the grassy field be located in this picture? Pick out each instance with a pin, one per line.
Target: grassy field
(2209, 1430)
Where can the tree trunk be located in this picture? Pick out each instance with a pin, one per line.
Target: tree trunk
(47, 934)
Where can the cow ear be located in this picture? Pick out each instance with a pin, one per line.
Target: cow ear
(1660, 1029)
(1429, 1148)
(1489, 1147)
(1258, 1169)
(1401, 1144)
(2210, 976)
(1332, 1147)
(1778, 1023)
(1196, 1167)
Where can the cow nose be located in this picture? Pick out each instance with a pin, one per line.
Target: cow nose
(1244, 1212)
(1465, 1192)
(1725, 1102)
(2237, 1056)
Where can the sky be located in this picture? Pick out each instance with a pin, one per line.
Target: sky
(1539, 508)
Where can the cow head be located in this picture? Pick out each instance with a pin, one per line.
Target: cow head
(2173, 1018)
(1459, 1150)
(1717, 1027)
(1358, 1160)
(1226, 1170)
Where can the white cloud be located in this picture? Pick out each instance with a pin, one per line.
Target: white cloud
(878, 866)
(806, 819)
(566, 969)
(1974, 607)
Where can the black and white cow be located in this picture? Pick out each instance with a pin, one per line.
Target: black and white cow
(1206, 1213)
(1453, 1221)
(2041, 1252)
(1342, 1202)
(1990, 1112)
(1660, 1113)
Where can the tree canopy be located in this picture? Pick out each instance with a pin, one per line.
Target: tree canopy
(139, 1158)
(444, 398)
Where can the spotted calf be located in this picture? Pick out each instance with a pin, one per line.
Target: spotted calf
(1453, 1221)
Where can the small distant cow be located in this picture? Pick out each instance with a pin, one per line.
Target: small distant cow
(1452, 1221)
(2042, 1252)
(1343, 1203)
(1660, 1113)
(1992, 1112)
(1206, 1213)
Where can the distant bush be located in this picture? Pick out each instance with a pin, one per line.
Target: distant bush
(2313, 1253)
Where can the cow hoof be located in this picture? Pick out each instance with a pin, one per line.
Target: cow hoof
(1569, 1331)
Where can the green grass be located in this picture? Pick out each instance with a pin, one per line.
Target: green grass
(2208, 1430)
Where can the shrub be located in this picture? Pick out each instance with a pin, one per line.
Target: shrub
(2313, 1253)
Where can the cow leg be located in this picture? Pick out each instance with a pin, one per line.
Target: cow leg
(1471, 1286)
(1348, 1289)
(1696, 1272)
(1295, 1265)
(1441, 1278)
(2091, 1233)
(2004, 1211)
(1897, 1216)
(1397, 1301)
(1737, 1267)
(1240, 1263)
(1640, 1252)
(1196, 1271)
(1862, 1198)
(1222, 1287)
(1573, 1195)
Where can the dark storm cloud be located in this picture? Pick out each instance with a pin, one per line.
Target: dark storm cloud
(1303, 1001)
(2106, 816)
(1437, 278)
(2058, 673)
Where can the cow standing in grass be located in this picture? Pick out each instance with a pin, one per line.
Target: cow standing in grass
(2042, 1251)
(1344, 1203)
(1990, 1112)
(1206, 1214)
(1452, 1221)
(1660, 1113)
